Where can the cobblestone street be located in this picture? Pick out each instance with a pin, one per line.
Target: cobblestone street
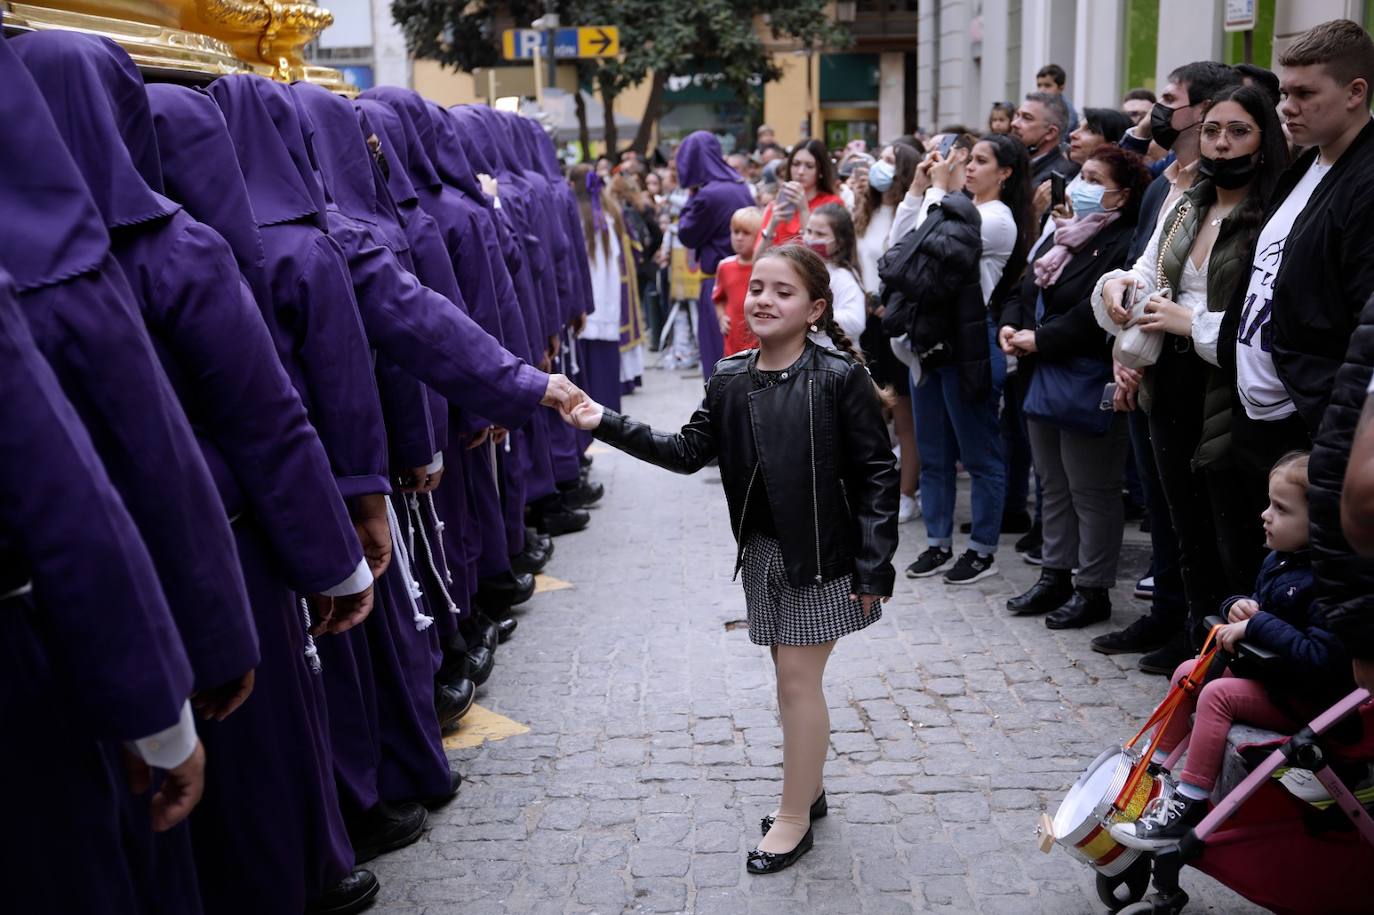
(653, 746)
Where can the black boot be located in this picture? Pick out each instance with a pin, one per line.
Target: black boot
(352, 894)
(552, 516)
(452, 701)
(386, 827)
(1049, 593)
(1087, 606)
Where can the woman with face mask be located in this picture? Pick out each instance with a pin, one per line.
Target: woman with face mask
(1181, 286)
(1079, 450)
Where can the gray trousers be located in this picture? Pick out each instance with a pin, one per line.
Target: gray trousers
(1083, 515)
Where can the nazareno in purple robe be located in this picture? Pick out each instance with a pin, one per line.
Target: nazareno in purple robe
(704, 226)
(288, 710)
(89, 653)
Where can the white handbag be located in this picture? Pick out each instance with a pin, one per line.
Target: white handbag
(1134, 348)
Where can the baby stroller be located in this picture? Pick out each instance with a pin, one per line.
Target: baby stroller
(1260, 840)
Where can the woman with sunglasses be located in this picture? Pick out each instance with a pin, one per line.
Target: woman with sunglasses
(1186, 278)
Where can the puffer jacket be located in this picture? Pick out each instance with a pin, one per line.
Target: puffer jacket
(817, 442)
(1345, 581)
(932, 293)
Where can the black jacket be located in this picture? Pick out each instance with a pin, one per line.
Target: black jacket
(818, 441)
(1324, 278)
(1068, 328)
(1345, 581)
(1053, 161)
(932, 293)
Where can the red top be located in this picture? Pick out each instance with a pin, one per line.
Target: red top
(790, 229)
(732, 283)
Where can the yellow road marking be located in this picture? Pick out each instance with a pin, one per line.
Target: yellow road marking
(544, 583)
(480, 725)
(594, 450)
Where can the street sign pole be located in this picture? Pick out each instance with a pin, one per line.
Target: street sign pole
(538, 78)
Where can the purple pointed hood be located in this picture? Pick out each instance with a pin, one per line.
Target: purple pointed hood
(451, 158)
(271, 148)
(52, 229)
(473, 132)
(414, 111)
(340, 150)
(200, 170)
(548, 153)
(528, 132)
(700, 161)
(96, 97)
(377, 118)
(501, 146)
(519, 141)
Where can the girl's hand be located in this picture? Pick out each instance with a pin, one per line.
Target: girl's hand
(1112, 293)
(586, 415)
(1165, 316)
(1040, 200)
(869, 601)
(920, 182)
(1231, 635)
(948, 174)
(1242, 609)
(1127, 384)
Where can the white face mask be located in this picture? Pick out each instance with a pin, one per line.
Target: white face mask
(880, 176)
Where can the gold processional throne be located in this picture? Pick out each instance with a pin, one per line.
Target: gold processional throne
(194, 40)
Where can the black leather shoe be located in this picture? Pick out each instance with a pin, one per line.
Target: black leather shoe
(386, 827)
(1167, 657)
(352, 894)
(584, 459)
(819, 808)
(538, 541)
(1087, 606)
(530, 561)
(582, 494)
(452, 701)
(1049, 593)
(478, 630)
(763, 862)
(1145, 634)
(455, 782)
(563, 521)
(477, 665)
(505, 590)
(505, 628)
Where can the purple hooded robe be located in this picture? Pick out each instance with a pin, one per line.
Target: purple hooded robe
(89, 652)
(717, 192)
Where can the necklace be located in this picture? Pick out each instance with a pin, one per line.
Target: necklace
(1219, 217)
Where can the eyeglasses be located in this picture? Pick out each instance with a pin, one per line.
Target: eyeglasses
(1236, 131)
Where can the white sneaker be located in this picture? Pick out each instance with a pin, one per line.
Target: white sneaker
(908, 509)
(1304, 785)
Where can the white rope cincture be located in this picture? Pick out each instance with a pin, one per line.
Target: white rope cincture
(422, 621)
(439, 534)
(312, 654)
(413, 502)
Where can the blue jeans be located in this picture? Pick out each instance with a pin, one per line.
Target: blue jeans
(949, 429)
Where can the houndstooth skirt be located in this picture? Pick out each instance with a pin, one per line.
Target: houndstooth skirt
(783, 614)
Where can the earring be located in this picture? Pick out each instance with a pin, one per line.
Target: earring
(815, 329)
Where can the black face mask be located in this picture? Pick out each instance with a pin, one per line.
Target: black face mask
(1161, 125)
(1229, 174)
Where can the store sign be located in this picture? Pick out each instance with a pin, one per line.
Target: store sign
(1240, 15)
(566, 44)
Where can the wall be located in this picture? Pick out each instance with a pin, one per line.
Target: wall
(786, 101)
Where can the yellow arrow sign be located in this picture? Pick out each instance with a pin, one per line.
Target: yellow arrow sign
(598, 41)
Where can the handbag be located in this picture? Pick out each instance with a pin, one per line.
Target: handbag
(1133, 347)
(1068, 395)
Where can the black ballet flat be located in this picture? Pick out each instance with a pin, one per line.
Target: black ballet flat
(819, 808)
(763, 862)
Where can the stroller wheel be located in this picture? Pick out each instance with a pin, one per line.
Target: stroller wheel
(1125, 888)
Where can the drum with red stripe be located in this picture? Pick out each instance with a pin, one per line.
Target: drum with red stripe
(1095, 803)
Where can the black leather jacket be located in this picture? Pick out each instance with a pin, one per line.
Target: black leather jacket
(817, 440)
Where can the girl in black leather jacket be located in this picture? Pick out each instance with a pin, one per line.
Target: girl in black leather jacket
(811, 483)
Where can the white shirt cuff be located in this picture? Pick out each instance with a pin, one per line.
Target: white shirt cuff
(496, 202)
(359, 581)
(437, 464)
(172, 747)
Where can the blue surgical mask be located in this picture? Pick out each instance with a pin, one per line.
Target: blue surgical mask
(880, 175)
(1087, 198)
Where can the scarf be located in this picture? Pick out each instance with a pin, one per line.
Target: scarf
(1070, 236)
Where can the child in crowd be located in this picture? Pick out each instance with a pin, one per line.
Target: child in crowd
(1311, 670)
(811, 485)
(732, 281)
(999, 118)
(830, 233)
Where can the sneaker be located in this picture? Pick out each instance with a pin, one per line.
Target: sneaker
(1145, 588)
(1032, 540)
(1145, 634)
(908, 509)
(1032, 556)
(1166, 820)
(1165, 659)
(932, 562)
(1303, 785)
(971, 567)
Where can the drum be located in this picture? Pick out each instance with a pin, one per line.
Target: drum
(1084, 820)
